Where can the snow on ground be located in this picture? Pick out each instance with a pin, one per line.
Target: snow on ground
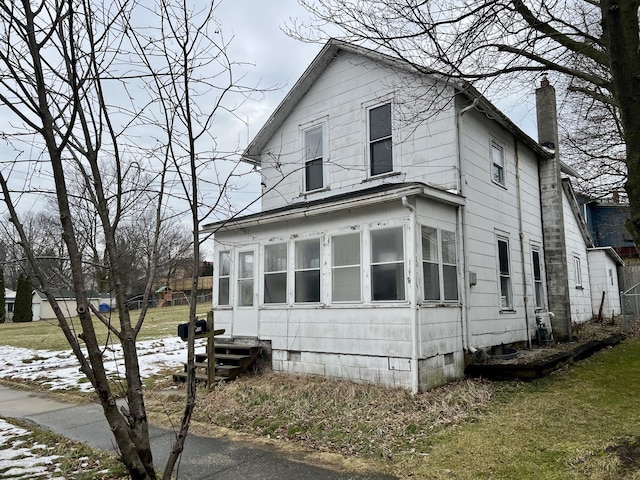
(60, 370)
(19, 461)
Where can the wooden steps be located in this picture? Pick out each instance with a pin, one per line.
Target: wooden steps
(231, 361)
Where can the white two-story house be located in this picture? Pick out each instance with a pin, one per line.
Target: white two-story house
(401, 226)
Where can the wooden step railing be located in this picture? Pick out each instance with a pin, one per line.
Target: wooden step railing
(221, 361)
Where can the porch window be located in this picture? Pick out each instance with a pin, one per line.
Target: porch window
(245, 279)
(380, 140)
(275, 273)
(345, 264)
(307, 271)
(497, 163)
(537, 278)
(439, 265)
(506, 300)
(387, 264)
(313, 159)
(430, 268)
(224, 272)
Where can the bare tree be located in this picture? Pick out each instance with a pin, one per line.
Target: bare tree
(593, 44)
(74, 78)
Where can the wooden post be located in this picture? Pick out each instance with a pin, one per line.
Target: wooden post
(211, 354)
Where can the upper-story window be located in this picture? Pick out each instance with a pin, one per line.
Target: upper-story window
(380, 140)
(497, 163)
(313, 158)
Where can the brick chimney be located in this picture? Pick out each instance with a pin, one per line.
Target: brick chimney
(551, 197)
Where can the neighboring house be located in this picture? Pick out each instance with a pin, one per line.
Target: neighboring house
(606, 220)
(9, 303)
(593, 270)
(66, 300)
(405, 222)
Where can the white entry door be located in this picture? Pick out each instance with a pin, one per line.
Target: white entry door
(245, 321)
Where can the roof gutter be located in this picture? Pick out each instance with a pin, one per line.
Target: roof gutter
(305, 210)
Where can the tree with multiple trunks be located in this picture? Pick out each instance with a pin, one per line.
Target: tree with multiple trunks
(117, 99)
(592, 45)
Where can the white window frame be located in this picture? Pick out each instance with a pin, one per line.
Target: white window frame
(401, 292)
(302, 271)
(373, 141)
(498, 168)
(504, 276)
(338, 270)
(306, 162)
(577, 268)
(538, 283)
(439, 261)
(222, 275)
(277, 272)
(246, 280)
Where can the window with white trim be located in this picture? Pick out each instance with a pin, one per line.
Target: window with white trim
(275, 273)
(245, 279)
(345, 268)
(380, 140)
(313, 159)
(387, 264)
(224, 274)
(538, 288)
(504, 267)
(439, 265)
(578, 270)
(307, 271)
(497, 163)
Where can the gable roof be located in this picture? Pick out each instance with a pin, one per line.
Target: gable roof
(329, 52)
(575, 209)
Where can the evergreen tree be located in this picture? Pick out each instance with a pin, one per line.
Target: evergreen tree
(22, 311)
(3, 303)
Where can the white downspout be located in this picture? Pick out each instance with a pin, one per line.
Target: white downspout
(522, 244)
(412, 296)
(464, 234)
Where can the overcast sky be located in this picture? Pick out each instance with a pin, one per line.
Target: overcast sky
(277, 61)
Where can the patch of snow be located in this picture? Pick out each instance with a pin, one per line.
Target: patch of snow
(60, 370)
(22, 462)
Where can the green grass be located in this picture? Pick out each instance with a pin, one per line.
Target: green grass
(567, 426)
(47, 335)
(563, 427)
